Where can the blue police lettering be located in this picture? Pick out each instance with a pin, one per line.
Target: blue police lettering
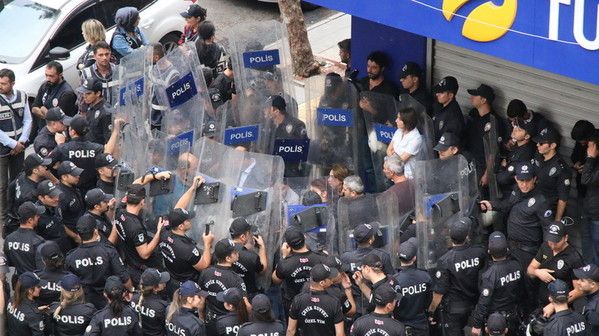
(82, 154)
(335, 117)
(118, 322)
(291, 149)
(577, 328)
(466, 264)
(261, 59)
(70, 319)
(173, 328)
(86, 262)
(414, 289)
(19, 246)
(181, 90)
(514, 276)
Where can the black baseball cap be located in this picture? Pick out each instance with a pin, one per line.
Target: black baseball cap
(516, 109)
(29, 210)
(224, 248)
(33, 160)
(231, 295)
(86, 224)
(372, 260)
(408, 249)
(460, 228)
(447, 140)
(496, 323)
(547, 135)
(322, 272)
(96, 196)
(136, 191)
(57, 114)
(410, 69)
(333, 262)
(385, 294)
(47, 188)
(332, 80)
(195, 11)
(363, 232)
(279, 103)
(497, 243)
(590, 271)
(294, 238)
(105, 160)
(51, 251)
(261, 304)
(30, 280)
(90, 85)
(70, 282)
(153, 277)
(448, 83)
(239, 226)
(525, 171)
(177, 216)
(113, 282)
(484, 91)
(557, 288)
(555, 232)
(68, 167)
(79, 124)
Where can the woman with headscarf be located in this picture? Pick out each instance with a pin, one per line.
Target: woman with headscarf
(127, 35)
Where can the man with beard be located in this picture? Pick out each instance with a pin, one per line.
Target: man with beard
(375, 81)
(54, 92)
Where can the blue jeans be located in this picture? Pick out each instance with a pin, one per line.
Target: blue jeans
(594, 228)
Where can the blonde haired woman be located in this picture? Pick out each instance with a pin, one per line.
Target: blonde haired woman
(71, 315)
(93, 31)
(182, 317)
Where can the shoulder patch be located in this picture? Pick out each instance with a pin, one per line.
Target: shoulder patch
(486, 292)
(140, 237)
(567, 182)
(552, 171)
(510, 169)
(438, 274)
(531, 202)
(560, 264)
(548, 213)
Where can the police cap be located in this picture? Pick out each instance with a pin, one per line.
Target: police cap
(29, 210)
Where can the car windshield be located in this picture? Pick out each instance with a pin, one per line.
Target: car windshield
(23, 24)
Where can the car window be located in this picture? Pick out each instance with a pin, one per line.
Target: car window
(69, 35)
(111, 6)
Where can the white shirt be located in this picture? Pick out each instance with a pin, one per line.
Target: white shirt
(410, 143)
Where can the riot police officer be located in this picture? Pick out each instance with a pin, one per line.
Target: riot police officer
(45, 141)
(501, 287)
(372, 271)
(564, 321)
(98, 115)
(456, 278)
(447, 116)
(521, 151)
(262, 320)
(71, 314)
(222, 87)
(148, 303)
(228, 324)
(183, 316)
(381, 321)
(105, 166)
(51, 224)
(588, 283)
(71, 202)
(98, 205)
(250, 263)
(415, 287)
(21, 246)
(52, 272)
(413, 84)
(104, 71)
(23, 315)
(93, 261)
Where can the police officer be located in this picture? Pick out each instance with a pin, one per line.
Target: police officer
(519, 114)
(24, 188)
(21, 246)
(415, 287)
(228, 324)
(365, 235)
(588, 284)
(553, 174)
(104, 71)
(183, 313)
(98, 115)
(293, 270)
(564, 321)
(93, 261)
(222, 87)
(316, 312)
(501, 287)
(220, 277)
(250, 263)
(139, 249)
(105, 166)
(52, 272)
(380, 322)
(117, 317)
(411, 82)
(148, 303)
(262, 320)
(24, 317)
(55, 128)
(372, 271)
(456, 279)
(99, 204)
(71, 202)
(71, 314)
(449, 146)
(447, 115)
(522, 150)
(51, 225)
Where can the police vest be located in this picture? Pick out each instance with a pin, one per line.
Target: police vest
(53, 94)
(12, 123)
(109, 86)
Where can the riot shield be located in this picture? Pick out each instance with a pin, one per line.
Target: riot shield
(445, 190)
(379, 112)
(425, 125)
(133, 150)
(134, 70)
(367, 208)
(331, 112)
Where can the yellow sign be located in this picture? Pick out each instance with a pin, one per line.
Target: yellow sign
(487, 22)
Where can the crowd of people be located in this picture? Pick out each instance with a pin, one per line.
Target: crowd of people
(86, 263)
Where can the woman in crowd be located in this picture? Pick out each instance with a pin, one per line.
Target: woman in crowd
(93, 31)
(72, 314)
(407, 140)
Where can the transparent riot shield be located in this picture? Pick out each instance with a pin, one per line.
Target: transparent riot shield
(133, 151)
(379, 112)
(425, 125)
(134, 100)
(445, 191)
(367, 208)
(331, 112)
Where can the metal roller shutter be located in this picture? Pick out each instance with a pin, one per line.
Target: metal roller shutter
(562, 100)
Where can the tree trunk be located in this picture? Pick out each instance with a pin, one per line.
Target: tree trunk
(304, 64)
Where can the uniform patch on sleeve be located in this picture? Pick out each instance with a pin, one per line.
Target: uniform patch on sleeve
(438, 274)
(531, 202)
(548, 213)
(140, 237)
(486, 292)
(567, 182)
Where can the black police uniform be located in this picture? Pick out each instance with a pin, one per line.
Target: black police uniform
(590, 178)
(257, 328)
(566, 322)
(591, 313)
(336, 291)
(316, 313)
(109, 85)
(71, 206)
(44, 142)
(424, 97)
(221, 90)
(214, 280)
(536, 123)
(186, 322)
(370, 305)
(83, 154)
(50, 226)
(103, 224)
(152, 313)
(448, 119)
(456, 279)
(295, 271)
(21, 190)
(21, 250)
(25, 319)
(107, 187)
(72, 319)
(415, 286)
(99, 117)
(563, 265)
(248, 266)
(353, 259)
(553, 179)
(501, 289)
(56, 95)
(105, 322)
(375, 324)
(519, 154)
(227, 325)
(133, 233)
(50, 289)
(93, 263)
(180, 254)
(474, 133)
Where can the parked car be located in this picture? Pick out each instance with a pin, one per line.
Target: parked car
(37, 31)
